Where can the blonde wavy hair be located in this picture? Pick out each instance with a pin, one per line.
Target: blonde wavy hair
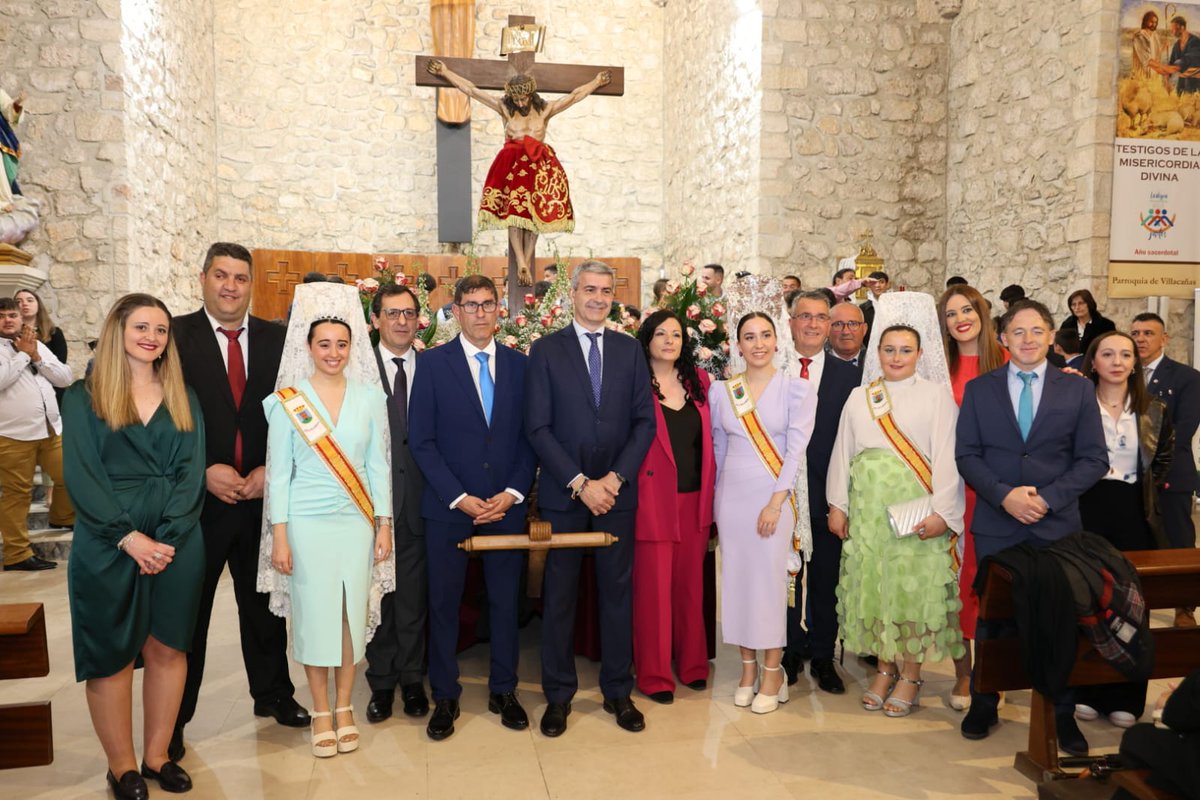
(110, 383)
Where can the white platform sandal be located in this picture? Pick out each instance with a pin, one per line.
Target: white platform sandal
(324, 744)
(345, 744)
(744, 695)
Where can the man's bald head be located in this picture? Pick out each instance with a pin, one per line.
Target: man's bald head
(846, 330)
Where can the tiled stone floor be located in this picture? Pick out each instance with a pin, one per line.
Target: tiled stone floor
(817, 746)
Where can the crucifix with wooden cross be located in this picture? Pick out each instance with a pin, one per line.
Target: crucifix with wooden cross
(526, 189)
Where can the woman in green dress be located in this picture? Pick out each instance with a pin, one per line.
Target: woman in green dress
(897, 590)
(133, 459)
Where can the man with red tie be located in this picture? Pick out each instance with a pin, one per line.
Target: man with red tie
(230, 360)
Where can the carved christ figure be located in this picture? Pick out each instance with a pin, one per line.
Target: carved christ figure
(526, 188)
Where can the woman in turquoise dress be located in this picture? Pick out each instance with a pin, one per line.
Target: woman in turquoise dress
(133, 459)
(328, 533)
(897, 595)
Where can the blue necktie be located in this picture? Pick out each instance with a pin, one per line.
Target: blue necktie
(487, 389)
(1025, 403)
(594, 367)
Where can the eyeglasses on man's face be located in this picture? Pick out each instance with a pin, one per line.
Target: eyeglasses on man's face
(850, 325)
(394, 314)
(807, 317)
(472, 307)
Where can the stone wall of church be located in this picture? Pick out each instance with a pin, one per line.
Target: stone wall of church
(324, 143)
(1030, 151)
(66, 55)
(170, 143)
(712, 129)
(854, 137)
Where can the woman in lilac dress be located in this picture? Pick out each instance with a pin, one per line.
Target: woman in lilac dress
(753, 507)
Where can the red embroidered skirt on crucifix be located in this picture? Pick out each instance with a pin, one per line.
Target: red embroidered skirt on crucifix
(526, 188)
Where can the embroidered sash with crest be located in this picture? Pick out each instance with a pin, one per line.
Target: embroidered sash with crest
(317, 433)
(880, 404)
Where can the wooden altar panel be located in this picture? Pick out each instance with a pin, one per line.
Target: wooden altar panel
(277, 273)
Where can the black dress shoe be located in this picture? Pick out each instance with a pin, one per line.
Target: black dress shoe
(792, 664)
(131, 786)
(416, 704)
(380, 707)
(554, 720)
(509, 708)
(175, 750)
(286, 711)
(170, 776)
(979, 719)
(628, 717)
(32, 564)
(1070, 739)
(664, 698)
(698, 685)
(441, 724)
(827, 678)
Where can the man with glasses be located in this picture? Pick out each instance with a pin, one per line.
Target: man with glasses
(812, 626)
(468, 437)
(396, 655)
(847, 329)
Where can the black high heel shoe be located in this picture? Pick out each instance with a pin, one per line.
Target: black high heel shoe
(130, 787)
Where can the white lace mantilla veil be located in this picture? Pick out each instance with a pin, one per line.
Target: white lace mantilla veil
(315, 301)
(765, 294)
(918, 311)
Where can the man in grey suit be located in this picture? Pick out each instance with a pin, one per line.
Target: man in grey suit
(396, 655)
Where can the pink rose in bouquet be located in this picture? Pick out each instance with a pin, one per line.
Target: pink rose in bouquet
(693, 311)
(707, 326)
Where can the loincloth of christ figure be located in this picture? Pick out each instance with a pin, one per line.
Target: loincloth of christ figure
(526, 190)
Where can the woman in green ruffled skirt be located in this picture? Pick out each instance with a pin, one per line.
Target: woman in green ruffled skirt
(897, 595)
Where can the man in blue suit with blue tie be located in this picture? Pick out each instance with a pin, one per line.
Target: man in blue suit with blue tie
(590, 417)
(1029, 442)
(467, 435)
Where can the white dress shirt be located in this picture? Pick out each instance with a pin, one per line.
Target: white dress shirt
(585, 344)
(223, 340)
(390, 368)
(474, 366)
(1015, 385)
(28, 408)
(1121, 436)
(815, 370)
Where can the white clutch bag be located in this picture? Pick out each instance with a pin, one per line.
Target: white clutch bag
(903, 517)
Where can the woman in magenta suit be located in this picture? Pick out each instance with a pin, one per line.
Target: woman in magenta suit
(674, 515)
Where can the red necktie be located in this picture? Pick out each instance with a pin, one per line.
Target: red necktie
(237, 384)
(804, 362)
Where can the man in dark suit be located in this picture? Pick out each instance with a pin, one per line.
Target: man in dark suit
(468, 436)
(396, 654)
(1066, 345)
(835, 379)
(1029, 442)
(590, 418)
(230, 360)
(1179, 387)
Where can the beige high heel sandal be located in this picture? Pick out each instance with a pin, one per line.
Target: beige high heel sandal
(344, 743)
(324, 744)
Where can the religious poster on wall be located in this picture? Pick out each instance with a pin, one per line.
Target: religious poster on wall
(1155, 227)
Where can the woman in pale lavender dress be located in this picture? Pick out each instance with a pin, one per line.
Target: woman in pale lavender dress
(753, 505)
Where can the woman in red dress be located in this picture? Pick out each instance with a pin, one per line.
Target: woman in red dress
(971, 350)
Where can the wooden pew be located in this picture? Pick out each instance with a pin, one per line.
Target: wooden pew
(26, 736)
(1170, 579)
